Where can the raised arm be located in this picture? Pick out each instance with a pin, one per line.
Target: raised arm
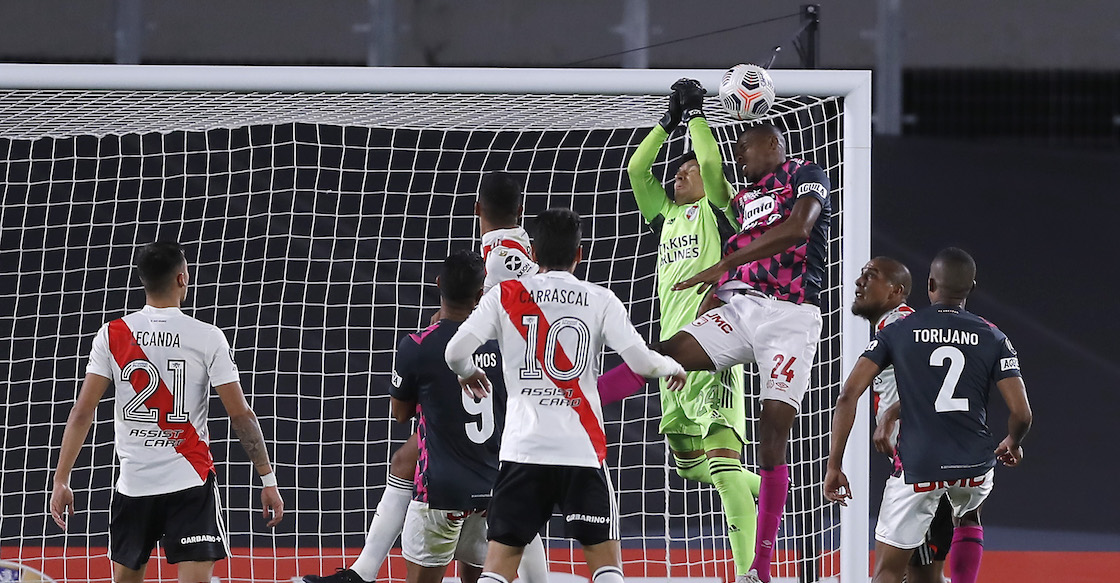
(77, 428)
(716, 187)
(836, 486)
(248, 429)
(1014, 391)
(648, 192)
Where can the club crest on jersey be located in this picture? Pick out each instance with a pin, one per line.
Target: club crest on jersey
(871, 346)
(692, 212)
(396, 379)
(1010, 348)
(754, 207)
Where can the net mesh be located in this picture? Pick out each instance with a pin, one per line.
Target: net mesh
(315, 224)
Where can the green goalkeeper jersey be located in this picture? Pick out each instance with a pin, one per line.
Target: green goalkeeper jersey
(691, 236)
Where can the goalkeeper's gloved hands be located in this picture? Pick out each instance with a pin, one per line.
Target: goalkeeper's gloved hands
(672, 115)
(691, 95)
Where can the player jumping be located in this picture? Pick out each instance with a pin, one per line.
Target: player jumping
(551, 328)
(770, 280)
(882, 288)
(705, 424)
(162, 364)
(946, 360)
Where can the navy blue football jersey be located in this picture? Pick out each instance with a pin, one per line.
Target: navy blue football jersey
(946, 361)
(459, 437)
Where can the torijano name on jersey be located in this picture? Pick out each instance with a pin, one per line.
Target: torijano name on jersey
(946, 336)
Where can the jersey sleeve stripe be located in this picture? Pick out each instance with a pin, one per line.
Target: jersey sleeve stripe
(124, 349)
(512, 292)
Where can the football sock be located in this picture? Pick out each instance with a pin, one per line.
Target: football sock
(771, 504)
(534, 563)
(726, 438)
(965, 553)
(388, 521)
(607, 575)
(693, 468)
(491, 577)
(618, 383)
(738, 506)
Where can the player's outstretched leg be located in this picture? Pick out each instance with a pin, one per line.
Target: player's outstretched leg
(968, 548)
(737, 489)
(774, 427)
(388, 519)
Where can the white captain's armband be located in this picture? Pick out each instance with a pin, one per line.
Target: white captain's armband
(816, 187)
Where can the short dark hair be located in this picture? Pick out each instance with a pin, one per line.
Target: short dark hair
(158, 263)
(557, 238)
(462, 277)
(499, 196)
(764, 129)
(955, 272)
(896, 273)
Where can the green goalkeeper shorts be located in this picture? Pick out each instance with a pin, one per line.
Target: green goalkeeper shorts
(708, 399)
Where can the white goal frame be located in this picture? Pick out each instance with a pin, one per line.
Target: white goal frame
(853, 86)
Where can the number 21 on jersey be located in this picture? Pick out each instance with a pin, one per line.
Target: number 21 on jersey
(131, 409)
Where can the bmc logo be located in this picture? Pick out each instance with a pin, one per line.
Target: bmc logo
(715, 319)
(921, 487)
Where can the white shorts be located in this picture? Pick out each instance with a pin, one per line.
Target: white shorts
(908, 509)
(780, 336)
(433, 538)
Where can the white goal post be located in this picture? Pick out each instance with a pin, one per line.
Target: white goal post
(151, 115)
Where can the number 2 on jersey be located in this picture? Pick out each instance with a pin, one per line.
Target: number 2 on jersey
(132, 410)
(946, 402)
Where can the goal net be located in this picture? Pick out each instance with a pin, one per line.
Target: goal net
(316, 206)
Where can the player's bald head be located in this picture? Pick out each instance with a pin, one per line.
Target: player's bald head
(499, 198)
(895, 273)
(952, 274)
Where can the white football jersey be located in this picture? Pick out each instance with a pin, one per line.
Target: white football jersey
(162, 364)
(551, 328)
(885, 386)
(506, 253)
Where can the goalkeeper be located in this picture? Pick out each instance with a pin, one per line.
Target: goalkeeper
(705, 423)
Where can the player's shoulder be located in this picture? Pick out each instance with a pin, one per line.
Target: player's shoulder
(985, 326)
(898, 313)
(416, 339)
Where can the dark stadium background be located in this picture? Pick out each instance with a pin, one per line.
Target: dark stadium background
(1008, 148)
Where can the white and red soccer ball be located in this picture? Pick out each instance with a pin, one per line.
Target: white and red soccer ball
(746, 91)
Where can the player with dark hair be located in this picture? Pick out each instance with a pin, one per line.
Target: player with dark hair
(770, 280)
(162, 365)
(458, 435)
(882, 288)
(946, 360)
(506, 251)
(551, 328)
(705, 424)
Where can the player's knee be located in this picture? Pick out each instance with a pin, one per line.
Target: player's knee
(402, 464)
(970, 518)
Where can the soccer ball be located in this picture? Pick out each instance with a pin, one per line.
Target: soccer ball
(746, 91)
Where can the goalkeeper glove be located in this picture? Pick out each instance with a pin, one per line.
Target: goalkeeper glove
(691, 95)
(672, 115)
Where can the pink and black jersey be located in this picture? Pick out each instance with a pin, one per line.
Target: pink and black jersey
(506, 253)
(458, 436)
(162, 364)
(551, 328)
(796, 274)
